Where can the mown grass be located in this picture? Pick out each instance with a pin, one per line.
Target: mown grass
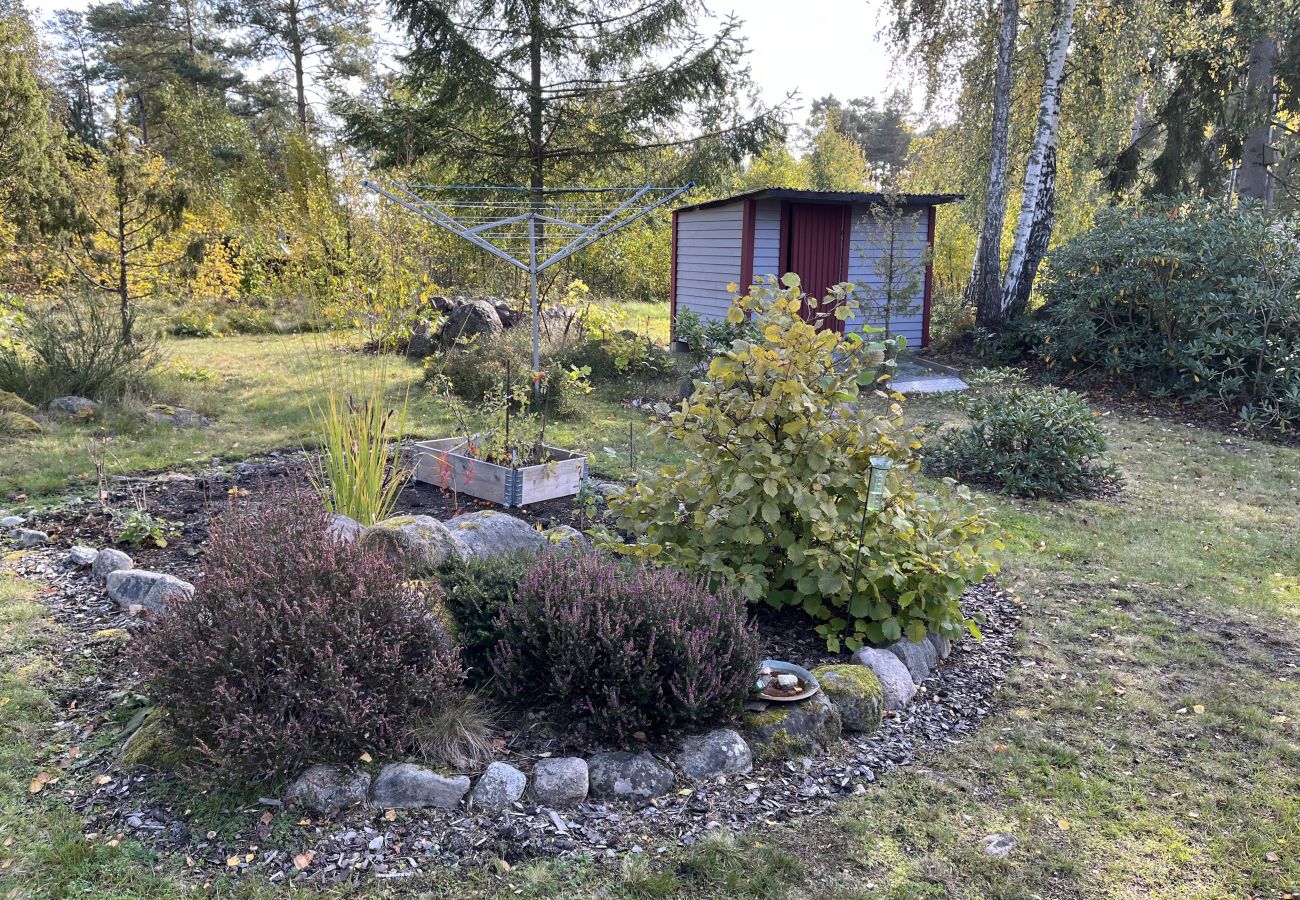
(1145, 747)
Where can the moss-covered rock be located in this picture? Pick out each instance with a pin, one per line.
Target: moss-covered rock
(156, 745)
(787, 730)
(422, 543)
(16, 425)
(111, 636)
(855, 692)
(10, 402)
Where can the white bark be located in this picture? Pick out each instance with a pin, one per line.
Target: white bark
(1257, 153)
(1049, 120)
(982, 292)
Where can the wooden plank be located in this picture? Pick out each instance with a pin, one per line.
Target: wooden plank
(438, 463)
(561, 478)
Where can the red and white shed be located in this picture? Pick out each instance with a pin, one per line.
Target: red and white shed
(825, 237)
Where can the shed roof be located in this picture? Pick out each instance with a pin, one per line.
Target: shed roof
(824, 197)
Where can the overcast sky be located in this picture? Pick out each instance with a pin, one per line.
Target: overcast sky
(814, 47)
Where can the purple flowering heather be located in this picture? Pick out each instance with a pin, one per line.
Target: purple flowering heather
(624, 649)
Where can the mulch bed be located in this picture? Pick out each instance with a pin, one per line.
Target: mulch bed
(948, 706)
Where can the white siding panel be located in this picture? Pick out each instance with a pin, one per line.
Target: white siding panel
(708, 258)
(767, 237)
(865, 250)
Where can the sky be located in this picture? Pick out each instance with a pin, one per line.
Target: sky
(812, 47)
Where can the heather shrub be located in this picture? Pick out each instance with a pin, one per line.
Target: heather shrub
(624, 649)
(1039, 442)
(477, 589)
(297, 648)
(777, 443)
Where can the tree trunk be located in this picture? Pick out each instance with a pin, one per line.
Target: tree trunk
(123, 284)
(1040, 234)
(1020, 277)
(982, 291)
(296, 55)
(1257, 153)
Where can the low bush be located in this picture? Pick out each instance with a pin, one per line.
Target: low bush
(1189, 298)
(359, 472)
(624, 649)
(1038, 442)
(706, 337)
(488, 369)
(73, 346)
(779, 438)
(477, 589)
(297, 648)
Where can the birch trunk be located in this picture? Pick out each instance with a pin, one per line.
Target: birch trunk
(982, 291)
(1020, 275)
(1257, 154)
(1040, 234)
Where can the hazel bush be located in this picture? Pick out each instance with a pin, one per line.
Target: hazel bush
(624, 649)
(772, 497)
(297, 648)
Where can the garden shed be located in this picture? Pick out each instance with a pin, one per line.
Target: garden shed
(826, 237)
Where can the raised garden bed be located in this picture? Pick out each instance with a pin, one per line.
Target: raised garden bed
(451, 464)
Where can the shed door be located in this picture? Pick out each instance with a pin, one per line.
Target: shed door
(816, 249)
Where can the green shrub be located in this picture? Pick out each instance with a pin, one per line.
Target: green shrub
(1191, 298)
(358, 472)
(1039, 442)
(773, 493)
(73, 346)
(709, 336)
(624, 649)
(476, 591)
(488, 369)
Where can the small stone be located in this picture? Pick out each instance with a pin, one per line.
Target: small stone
(627, 775)
(401, 785)
(896, 682)
(919, 658)
(999, 845)
(153, 590)
(345, 530)
(28, 538)
(81, 557)
(562, 781)
(326, 789)
(73, 406)
(566, 537)
(787, 681)
(720, 752)
(110, 560)
(489, 532)
(856, 693)
(376, 843)
(942, 644)
(787, 730)
(501, 785)
(11, 521)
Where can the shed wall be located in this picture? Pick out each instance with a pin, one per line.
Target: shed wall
(866, 247)
(708, 258)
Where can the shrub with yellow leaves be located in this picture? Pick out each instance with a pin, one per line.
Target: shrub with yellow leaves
(773, 493)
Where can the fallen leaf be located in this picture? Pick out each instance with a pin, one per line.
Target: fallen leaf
(232, 861)
(1198, 709)
(303, 860)
(1271, 856)
(1063, 824)
(39, 782)
(390, 815)
(266, 818)
(304, 822)
(366, 757)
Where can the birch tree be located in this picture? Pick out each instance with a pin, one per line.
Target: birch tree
(1040, 171)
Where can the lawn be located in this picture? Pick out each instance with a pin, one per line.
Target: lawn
(1145, 747)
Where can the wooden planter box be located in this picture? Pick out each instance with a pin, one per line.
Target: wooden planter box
(438, 462)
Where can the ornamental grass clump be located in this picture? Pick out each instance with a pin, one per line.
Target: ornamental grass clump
(624, 649)
(772, 496)
(298, 648)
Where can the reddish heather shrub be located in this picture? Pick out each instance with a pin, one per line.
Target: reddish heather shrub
(624, 649)
(297, 648)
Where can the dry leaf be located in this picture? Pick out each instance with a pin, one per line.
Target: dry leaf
(304, 822)
(1198, 709)
(390, 815)
(103, 779)
(232, 861)
(366, 757)
(1063, 824)
(39, 782)
(303, 860)
(266, 818)
(1271, 856)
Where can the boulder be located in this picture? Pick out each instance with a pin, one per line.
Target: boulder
(73, 406)
(919, 658)
(110, 560)
(177, 417)
(561, 781)
(498, 787)
(942, 644)
(999, 846)
(420, 342)
(628, 776)
(855, 692)
(472, 317)
(566, 537)
(16, 424)
(491, 533)
(154, 591)
(81, 557)
(11, 402)
(11, 521)
(344, 529)
(509, 316)
(896, 684)
(28, 538)
(720, 752)
(325, 789)
(786, 730)
(402, 785)
(421, 542)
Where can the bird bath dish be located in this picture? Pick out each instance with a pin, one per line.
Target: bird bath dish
(773, 683)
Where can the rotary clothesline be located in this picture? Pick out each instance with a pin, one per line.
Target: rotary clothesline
(512, 223)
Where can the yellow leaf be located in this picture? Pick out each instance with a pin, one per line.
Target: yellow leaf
(1063, 824)
(102, 779)
(1198, 709)
(232, 861)
(366, 757)
(39, 782)
(390, 815)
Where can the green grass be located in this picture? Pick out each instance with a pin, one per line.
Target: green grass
(1150, 750)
